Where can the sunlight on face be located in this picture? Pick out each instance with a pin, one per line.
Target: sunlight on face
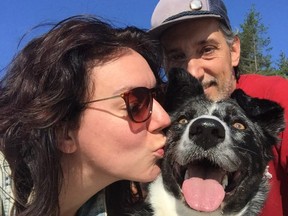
(110, 146)
(204, 53)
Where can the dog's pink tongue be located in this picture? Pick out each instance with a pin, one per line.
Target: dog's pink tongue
(203, 194)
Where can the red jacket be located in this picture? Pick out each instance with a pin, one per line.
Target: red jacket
(274, 88)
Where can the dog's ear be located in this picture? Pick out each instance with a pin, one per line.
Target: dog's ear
(268, 114)
(181, 86)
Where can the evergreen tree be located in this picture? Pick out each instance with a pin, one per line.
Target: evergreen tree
(283, 65)
(255, 57)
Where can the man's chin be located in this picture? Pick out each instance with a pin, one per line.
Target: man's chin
(212, 93)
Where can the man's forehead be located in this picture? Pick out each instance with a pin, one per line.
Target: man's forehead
(207, 34)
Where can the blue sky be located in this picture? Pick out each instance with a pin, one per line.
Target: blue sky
(18, 17)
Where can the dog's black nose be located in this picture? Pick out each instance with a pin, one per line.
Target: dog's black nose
(206, 132)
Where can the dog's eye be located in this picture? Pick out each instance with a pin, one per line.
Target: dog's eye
(182, 121)
(239, 126)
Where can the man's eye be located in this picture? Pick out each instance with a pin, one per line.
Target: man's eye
(176, 57)
(208, 50)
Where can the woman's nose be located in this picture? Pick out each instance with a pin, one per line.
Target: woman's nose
(159, 118)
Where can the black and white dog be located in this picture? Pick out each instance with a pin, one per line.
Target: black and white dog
(217, 153)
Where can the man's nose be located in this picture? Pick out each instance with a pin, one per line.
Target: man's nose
(194, 67)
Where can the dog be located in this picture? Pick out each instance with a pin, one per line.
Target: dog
(216, 156)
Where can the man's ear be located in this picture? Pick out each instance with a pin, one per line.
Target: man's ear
(235, 51)
(67, 142)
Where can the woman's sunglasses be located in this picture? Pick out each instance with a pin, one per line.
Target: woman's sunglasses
(139, 102)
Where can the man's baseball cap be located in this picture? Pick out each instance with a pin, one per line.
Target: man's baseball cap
(170, 12)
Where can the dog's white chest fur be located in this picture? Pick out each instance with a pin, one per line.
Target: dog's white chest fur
(165, 204)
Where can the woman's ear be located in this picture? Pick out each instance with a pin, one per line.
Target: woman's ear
(235, 51)
(67, 142)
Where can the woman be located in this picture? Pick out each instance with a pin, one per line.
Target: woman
(77, 114)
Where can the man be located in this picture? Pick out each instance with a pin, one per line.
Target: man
(197, 36)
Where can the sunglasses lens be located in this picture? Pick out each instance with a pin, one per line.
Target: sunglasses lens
(139, 104)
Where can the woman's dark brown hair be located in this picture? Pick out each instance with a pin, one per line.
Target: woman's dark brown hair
(41, 97)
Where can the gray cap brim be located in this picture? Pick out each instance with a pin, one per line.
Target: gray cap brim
(158, 31)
